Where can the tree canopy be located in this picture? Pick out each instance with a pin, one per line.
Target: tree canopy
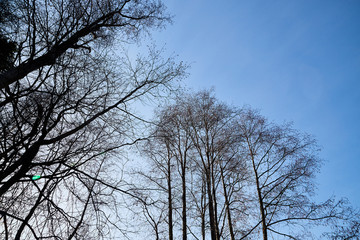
(239, 176)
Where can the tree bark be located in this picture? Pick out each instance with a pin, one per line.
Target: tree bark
(214, 201)
(184, 220)
(203, 209)
(261, 203)
(213, 228)
(170, 219)
(227, 206)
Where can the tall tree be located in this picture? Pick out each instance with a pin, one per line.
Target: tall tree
(198, 128)
(208, 124)
(159, 176)
(171, 129)
(65, 110)
(248, 178)
(284, 162)
(169, 150)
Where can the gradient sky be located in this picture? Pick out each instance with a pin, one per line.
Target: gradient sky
(295, 61)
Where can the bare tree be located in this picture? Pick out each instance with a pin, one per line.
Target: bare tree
(198, 128)
(210, 123)
(45, 30)
(247, 178)
(62, 127)
(283, 163)
(168, 151)
(172, 127)
(66, 112)
(159, 178)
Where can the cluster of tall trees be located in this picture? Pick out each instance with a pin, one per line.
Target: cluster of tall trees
(218, 172)
(67, 122)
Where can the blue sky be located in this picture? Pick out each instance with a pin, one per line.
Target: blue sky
(294, 60)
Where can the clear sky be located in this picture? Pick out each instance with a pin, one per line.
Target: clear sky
(294, 60)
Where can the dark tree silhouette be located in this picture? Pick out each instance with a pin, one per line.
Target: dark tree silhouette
(65, 112)
(7, 47)
(44, 30)
(194, 134)
(248, 178)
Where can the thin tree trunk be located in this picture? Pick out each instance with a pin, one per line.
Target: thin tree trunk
(203, 209)
(211, 206)
(215, 202)
(170, 219)
(261, 203)
(184, 224)
(227, 205)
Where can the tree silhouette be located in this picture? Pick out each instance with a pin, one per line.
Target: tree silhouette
(248, 178)
(65, 112)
